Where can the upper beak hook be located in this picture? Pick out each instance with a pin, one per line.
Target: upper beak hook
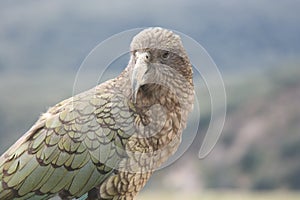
(138, 74)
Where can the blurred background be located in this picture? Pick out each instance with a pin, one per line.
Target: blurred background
(255, 45)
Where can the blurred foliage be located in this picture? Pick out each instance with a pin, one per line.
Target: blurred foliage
(251, 160)
(261, 141)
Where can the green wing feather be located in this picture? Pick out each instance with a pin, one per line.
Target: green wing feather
(72, 148)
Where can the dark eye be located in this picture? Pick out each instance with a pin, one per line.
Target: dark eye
(165, 55)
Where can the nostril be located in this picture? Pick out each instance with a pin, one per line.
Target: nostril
(148, 56)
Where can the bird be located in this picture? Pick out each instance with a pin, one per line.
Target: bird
(106, 142)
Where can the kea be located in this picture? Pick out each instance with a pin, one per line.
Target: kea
(106, 142)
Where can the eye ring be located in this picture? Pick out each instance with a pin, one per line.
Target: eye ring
(165, 55)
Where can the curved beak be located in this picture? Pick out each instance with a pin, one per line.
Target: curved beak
(139, 70)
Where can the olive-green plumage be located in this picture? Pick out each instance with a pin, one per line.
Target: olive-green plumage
(106, 142)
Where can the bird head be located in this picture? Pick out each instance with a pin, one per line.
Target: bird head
(158, 58)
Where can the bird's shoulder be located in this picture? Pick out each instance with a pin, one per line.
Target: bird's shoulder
(85, 132)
